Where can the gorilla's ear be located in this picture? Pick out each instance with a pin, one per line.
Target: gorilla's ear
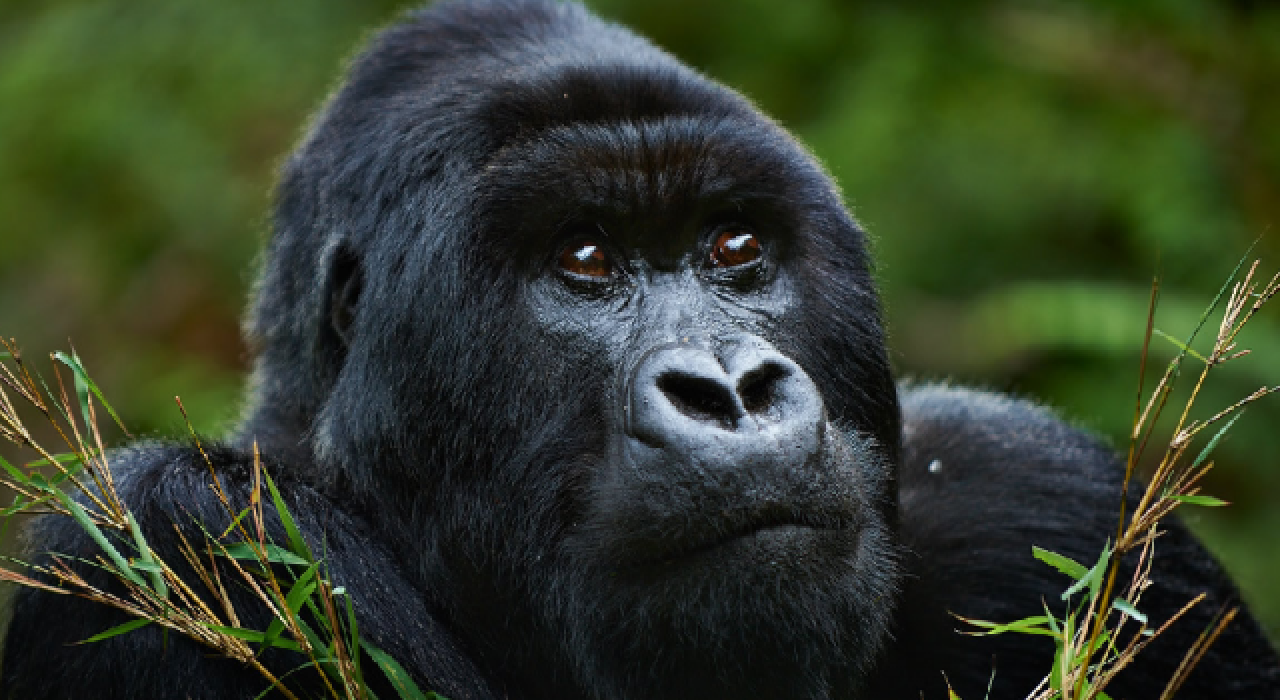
(346, 280)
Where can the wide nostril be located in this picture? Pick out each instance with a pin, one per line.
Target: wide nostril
(758, 388)
(703, 399)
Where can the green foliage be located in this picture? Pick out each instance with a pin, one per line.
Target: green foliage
(1024, 170)
(289, 581)
(1092, 645)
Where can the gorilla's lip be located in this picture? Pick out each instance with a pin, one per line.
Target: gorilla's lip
(745, 528)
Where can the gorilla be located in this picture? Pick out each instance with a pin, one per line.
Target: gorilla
(572, 364)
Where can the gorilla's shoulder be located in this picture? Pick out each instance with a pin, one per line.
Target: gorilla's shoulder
(985, 478)
(981, 431)
(170, 490)
(174, 484)
(1007, 453)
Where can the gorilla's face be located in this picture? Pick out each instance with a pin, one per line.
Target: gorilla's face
(606, 361)
(672, 369)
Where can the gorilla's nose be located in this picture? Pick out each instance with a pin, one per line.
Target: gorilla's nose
(747, 404)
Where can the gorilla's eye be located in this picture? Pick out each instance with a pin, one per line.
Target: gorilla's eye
(734, 247)
(586, 259)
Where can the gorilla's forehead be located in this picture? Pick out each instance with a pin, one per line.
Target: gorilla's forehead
(656, 167)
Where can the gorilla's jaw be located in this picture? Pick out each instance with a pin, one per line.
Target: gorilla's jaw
(767, 582)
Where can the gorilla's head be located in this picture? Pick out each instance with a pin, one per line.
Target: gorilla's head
(596, 346)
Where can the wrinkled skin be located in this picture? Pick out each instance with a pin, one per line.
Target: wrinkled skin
(574, 361)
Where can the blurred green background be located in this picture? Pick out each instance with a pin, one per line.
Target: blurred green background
(1025, 168)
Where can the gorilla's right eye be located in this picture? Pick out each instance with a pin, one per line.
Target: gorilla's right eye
(587, 259)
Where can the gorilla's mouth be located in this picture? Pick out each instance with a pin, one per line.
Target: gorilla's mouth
(770, 529)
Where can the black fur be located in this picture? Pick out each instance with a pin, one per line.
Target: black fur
(471, 434)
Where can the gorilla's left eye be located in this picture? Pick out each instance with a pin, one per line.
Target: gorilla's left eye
(587, 259)
(734, 247)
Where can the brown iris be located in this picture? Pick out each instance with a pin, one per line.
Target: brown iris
(587, 259)
(734, 247)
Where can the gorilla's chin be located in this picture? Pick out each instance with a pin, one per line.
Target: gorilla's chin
(774, 542)
(787, 611)
(762, 590)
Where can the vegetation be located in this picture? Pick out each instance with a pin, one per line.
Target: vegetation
(310, 615)
(1102, 629)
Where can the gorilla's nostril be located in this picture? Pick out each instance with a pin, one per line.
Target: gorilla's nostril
(700, 398)
(759, 387)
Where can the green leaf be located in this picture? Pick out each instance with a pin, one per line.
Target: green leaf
(1093, 579)
(1088, 651)
(145, 567)
(116, 631)
(302, 588)
(275, 554)
(297, 545)
(251, 636)
(63, 459)
(1028, 625)
(294, 600)
(1052, 621)
(86, 523)
(15, 473)
(236, 521)
(73, 361)
(397, 675)
(1055, 671)
(1208, 448)
(1197, 500)
(1127, 608)
(67, 471)
(148, 562)
(1186, 350)
(1068, 566)
(353, 630)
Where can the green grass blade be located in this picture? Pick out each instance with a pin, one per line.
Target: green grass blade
(353, 635)
(1028, 625)
(1093, 579)
(1182, 347)
(275, 554)
(87, 524)
(15, 473)
(1197, 500)
(116, 631)
(295, 599)
(144, 553)
(1127, 608)
(63, 459)
(73, 361)
(397, 675)
(297, 544)
(1066, 565)
(1208, 448)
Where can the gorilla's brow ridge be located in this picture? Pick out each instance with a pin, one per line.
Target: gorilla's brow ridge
(649, 167)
